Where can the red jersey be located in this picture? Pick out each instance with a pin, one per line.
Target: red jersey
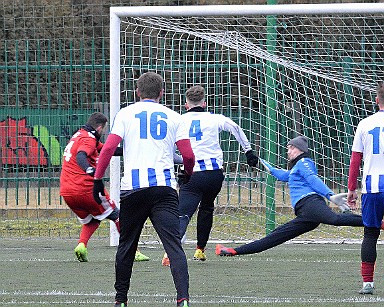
(73, 179)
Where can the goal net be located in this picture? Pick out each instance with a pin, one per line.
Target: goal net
(278, 71)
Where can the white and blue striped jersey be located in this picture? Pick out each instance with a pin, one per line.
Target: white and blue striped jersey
(203, 130)
(369, 140)
(149, 131)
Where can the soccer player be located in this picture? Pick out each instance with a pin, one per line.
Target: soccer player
(368, 145)
(307, 192)
(207, 178)
(76, 183)
(148, 188)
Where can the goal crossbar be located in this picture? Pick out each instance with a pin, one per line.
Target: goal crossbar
(244, 10)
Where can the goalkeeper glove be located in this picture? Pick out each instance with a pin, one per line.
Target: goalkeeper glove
(98, 190)
(268, 167)
(341, 201)
(252, 159)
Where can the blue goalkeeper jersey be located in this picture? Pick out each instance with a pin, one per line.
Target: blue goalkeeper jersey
(302, 180)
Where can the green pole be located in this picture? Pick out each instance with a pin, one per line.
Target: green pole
(271, 123)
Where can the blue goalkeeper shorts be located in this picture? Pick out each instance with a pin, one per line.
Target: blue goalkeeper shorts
(372, 209)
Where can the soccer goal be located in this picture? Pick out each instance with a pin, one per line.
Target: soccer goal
(278, 71)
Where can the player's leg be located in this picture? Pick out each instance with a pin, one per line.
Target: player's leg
(165, 219)
(86, 232)
(368, 258)
(134, 210)
(81, 206)
(281, 234)
(114, 216)
(211, 183)
(189, 199)
(322, 213)
(372, 211)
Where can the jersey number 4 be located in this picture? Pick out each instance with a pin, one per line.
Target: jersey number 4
(195, 130)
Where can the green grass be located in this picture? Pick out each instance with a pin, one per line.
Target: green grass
(225, 227)
(39, 272)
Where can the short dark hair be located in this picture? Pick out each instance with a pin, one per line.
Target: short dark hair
(380, 92)
(195, 94)
(97, 119)
(150, 85)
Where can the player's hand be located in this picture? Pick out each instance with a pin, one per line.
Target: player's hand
(90, 171)
(98, 190)
(266, 165)
(183, 177)
(341, 201)
(352, 199)
(252, 159)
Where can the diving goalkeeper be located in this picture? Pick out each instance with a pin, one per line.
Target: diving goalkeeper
(307, 192)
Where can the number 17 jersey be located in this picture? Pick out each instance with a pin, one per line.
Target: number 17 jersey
(369, 140)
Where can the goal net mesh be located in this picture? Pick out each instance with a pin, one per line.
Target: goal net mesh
(277, 77)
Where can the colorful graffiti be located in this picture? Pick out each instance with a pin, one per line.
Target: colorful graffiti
(23, 145)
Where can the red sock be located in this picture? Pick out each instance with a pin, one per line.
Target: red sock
(117, 223)
(367, 271)
(87, 231)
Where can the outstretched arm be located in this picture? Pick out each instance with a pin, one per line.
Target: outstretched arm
(280, 174)
(238, 133)
(322, 189)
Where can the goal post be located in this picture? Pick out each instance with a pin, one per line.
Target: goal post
(278, 71)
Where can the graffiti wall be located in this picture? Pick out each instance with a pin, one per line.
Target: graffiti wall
(36, 138)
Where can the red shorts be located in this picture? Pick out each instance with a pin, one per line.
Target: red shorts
(86, 208)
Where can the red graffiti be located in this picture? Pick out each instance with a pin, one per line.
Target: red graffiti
(19, 146)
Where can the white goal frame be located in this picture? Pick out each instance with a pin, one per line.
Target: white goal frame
(116, 13)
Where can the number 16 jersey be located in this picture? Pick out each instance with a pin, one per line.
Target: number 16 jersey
(149, 131)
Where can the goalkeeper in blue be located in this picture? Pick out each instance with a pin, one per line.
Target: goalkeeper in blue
(201, 190)
(307, 193)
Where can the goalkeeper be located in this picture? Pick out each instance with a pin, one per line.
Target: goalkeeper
(307, 192)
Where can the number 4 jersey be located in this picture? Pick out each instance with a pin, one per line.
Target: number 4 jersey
(73, 179)
(369, 140)
(204, 129)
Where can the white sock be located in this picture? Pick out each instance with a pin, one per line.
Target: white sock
(368, 283)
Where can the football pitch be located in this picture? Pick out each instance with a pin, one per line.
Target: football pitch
(44, 272)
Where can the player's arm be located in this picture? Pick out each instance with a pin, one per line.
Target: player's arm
(280, 174)
(185, 148)
(311, 177)
(238, 133)
(354, 168)
(82, 161)
(309, 173)
(118, 150)
(86, 149)
(106, 154)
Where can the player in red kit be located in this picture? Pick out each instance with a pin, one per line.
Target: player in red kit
(76, 183)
